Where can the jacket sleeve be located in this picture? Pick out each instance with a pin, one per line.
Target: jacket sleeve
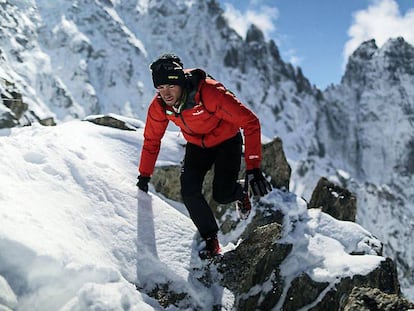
(227, 107)
(155, 127)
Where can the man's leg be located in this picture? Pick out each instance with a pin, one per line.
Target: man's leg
(197, 162)
(226, 189)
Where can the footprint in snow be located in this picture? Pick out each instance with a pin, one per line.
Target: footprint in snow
(35, 158)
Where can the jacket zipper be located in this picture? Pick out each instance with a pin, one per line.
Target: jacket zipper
(185, 124)
(190, 130)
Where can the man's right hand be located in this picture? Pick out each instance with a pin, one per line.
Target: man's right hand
(258, 183)
(142, 183)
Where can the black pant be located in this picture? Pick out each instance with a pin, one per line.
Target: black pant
(226, 158)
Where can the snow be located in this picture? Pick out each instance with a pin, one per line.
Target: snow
(76, 234)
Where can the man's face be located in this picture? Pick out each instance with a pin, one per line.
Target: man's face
(171, 94)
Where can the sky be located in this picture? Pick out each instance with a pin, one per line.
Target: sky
(319, 35)
(79, 235)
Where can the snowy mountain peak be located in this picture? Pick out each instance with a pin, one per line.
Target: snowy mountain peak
(367, 129)
(357, 62)
(393, 59)
(399, 56)
(365, 50)
(254, 34)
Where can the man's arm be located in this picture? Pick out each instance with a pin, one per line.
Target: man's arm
(155, 127)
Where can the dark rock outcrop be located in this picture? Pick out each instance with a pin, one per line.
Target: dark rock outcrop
(275, 164)
(255, 261)
(384, 279)
(17, 112)
(254, 34)
(367, 299)
(166, 180)
(7, 120)
(110, 121)
(334, 200)
(13, 101)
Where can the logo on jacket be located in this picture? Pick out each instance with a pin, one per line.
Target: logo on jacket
(198, 112)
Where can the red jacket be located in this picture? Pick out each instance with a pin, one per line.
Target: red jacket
(216, 116)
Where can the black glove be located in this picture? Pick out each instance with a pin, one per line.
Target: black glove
(142, 183)
(260, 186)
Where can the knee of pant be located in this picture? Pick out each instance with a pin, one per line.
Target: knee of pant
(188, 187)
(189, 191)
(221, 196)
(225, 195)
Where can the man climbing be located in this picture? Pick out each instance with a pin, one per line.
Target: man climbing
(210, 118)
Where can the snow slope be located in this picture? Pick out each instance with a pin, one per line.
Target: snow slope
(75, 234)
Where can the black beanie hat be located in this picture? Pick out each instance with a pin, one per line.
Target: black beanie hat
(168, 69)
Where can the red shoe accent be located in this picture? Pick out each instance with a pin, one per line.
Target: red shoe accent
(244, 206)
(211, 249)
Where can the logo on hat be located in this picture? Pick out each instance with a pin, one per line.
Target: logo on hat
(168, 69)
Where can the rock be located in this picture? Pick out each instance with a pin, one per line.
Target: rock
(14, 107)
(275, 164)
(16, 111)
(309, 292)
(110, 121)
(254, 34)
(166, 180)
(47, 122)
(7, 120)
(166, 296)
(14, 101)
(255, 261)
(334, 200)
(367, 299)
(383, 278)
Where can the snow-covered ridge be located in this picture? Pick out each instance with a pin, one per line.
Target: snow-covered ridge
(79, 237)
